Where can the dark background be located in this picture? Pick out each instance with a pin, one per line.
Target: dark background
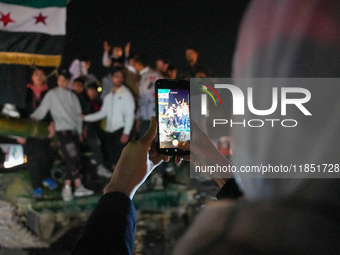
(155, 28)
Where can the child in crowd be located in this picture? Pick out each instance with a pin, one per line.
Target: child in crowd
(65, 110)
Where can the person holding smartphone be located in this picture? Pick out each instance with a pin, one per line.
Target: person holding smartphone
(279, 216)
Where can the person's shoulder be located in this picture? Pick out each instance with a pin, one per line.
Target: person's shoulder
(69, 93)
(52, 91)
(72, 93)
(126, 90)
(154, 75)
(107, 97)
(155, 72)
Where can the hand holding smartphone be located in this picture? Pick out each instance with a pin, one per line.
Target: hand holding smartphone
(173, 115)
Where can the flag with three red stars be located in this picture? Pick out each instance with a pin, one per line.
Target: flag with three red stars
(32, 32)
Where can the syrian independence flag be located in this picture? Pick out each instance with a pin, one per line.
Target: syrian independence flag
(32, 32)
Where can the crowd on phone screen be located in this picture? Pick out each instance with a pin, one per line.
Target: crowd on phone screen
(101, 116)
(177, 116)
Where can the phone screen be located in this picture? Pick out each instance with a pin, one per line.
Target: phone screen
(173, 118)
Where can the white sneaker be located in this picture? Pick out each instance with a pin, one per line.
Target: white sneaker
(10, 110)
(81, 191)
(66, 193)
(102, 171)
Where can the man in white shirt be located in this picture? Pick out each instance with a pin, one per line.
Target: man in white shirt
(146, 86)
(119, 110)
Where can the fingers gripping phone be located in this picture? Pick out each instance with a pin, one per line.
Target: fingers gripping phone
(172, 98)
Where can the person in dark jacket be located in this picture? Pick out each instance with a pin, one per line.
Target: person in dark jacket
(38, 151)
(78, 87)
(192, 67)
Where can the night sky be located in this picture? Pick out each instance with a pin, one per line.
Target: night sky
(155, 28)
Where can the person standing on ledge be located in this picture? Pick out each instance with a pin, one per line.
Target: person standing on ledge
(65, 110)
(119, 110)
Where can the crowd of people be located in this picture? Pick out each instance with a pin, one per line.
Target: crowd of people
(103, 116)
(177, 116)
(277, 39)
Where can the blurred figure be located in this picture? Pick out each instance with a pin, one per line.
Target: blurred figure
(146, 86)
(66, 113)
(179, 114)
(118, 109)
(172, 72)
(170, 113)
(132, 78)
(117, 58)
(162, 65)
(35, 92)
(93, 93)
(79, 88)
(107, 85)
(191, 56)
(80, 68)
(90, 129)
(185, 112)
(93, 132)
(38, 151)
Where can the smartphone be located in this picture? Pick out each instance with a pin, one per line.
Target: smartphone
(172, 98)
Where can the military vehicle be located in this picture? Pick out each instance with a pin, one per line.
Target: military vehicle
(165, 203)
